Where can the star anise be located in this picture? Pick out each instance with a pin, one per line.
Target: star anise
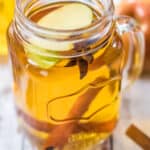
(83, 67)
(82, 63)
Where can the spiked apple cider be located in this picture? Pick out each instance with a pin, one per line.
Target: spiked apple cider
(67, 60)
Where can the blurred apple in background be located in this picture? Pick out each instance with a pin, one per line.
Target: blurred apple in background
(140, 10)
(6, 13)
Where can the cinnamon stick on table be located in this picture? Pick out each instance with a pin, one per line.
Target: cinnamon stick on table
(60, 134)
(138, 137)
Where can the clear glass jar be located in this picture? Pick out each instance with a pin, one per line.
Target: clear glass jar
(67, 82)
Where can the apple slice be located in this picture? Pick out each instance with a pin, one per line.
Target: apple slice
(41, 57)
(68, 17)
(52, 45)
(41, 61)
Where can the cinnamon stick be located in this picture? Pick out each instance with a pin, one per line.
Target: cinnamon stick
(60, 134)
(138, 137)
(48, 127)
(34, 123)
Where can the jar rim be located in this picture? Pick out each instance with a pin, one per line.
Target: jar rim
(32, 26)
(30, 33)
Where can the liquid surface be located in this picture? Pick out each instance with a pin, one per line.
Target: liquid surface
(60, 107)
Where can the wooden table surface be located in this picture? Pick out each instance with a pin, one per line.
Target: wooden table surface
(135, 109)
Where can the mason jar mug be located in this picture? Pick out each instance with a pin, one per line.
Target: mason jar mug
(70, 60)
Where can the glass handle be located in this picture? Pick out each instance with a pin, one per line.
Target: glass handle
(134, 48)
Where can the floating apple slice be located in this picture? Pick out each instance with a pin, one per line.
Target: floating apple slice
(41, 57)
(41, 61)
(52, 45)
(68, 17)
